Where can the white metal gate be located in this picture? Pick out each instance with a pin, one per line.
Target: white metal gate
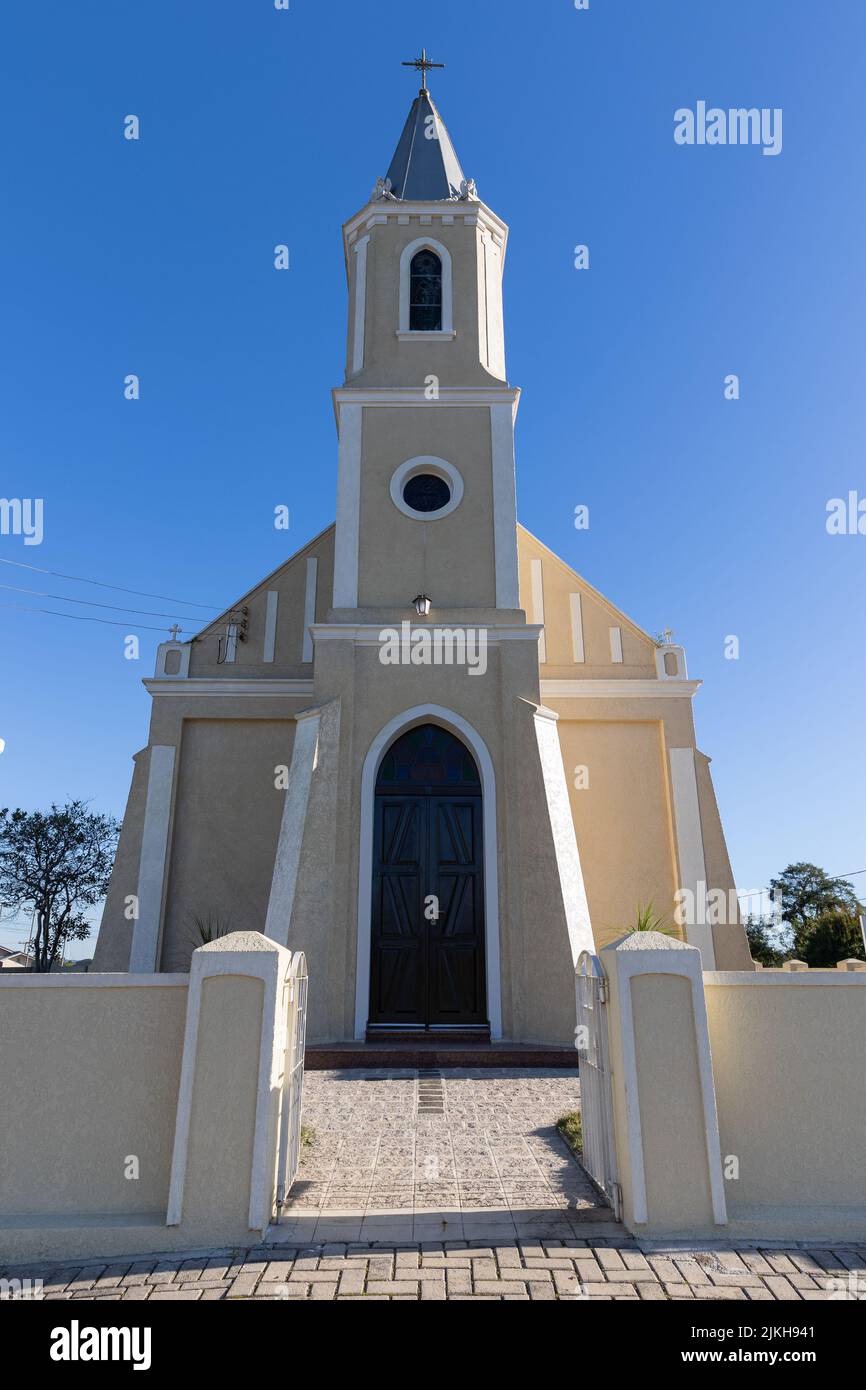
(596, 1104)
(293, 1078)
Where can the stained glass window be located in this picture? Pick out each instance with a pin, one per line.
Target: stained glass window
(428, 756)
(426, 492)
(425, 292)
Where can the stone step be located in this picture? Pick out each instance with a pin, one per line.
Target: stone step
(420, 1054)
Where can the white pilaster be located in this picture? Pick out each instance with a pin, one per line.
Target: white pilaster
(576, 628)
(360, 250)
(690, 847)
(348, 507)
(151, 869)
(504, 506)
(309, 607)
(271, 625)
(537, 595)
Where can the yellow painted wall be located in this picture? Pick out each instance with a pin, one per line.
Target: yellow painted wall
(225, 827)
(622, 820)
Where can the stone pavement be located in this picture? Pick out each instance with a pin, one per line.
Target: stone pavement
(453, 1186)
(442, 1156)
(614, 1269)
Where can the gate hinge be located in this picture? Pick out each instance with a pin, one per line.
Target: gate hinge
(602, 991)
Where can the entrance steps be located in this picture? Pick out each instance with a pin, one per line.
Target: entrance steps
(424, 1051)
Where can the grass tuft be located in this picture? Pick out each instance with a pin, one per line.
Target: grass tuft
(570, 1127)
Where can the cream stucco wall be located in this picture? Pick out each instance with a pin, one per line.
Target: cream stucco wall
(226, 821)
(451, 559)
(791, 1093)
(90, 1080)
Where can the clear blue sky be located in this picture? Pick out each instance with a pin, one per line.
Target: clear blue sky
(259, 127)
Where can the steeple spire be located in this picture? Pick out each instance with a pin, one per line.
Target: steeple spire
(425, 167)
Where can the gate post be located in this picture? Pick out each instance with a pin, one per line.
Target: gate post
(223, 1171)
(664, 1105)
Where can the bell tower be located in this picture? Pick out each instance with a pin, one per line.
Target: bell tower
(425, 416)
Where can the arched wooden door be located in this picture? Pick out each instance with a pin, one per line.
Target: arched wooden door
(427, 939)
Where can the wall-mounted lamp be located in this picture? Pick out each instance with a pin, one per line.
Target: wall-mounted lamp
(422, 605)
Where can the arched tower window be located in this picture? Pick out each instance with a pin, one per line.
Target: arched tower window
(425, 292)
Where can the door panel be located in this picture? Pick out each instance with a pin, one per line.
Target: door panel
(423, 972)
(456, 939)
(398, 975)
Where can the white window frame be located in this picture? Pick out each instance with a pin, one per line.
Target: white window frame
(440, 468)
(424, 243)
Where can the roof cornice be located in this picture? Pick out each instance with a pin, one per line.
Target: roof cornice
(379, 213)
(628, 688)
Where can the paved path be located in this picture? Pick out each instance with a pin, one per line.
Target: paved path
(454, 1187)
(439, 1156)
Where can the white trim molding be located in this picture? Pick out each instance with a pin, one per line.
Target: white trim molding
(309, 606)
(504, 506)
(360, 249)
(270, 641)
(345, 397)
(440, 468)
(625, 689)
(153, 859)
(375, 214)
(230, 687)
(537, 603)
(420, 335)
(576, 609)
(690, 845)
(346, 540)
(370, 634)
(435, 714)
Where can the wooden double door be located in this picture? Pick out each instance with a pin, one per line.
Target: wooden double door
(427, 967)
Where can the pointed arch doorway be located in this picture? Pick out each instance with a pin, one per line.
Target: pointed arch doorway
(427, 930)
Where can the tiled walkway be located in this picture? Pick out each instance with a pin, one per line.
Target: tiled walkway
(446, 1156)
(471, 1195)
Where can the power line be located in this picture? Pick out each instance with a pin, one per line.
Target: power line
(115, 608)
(86, 618)
(139, 593)
(757, 892)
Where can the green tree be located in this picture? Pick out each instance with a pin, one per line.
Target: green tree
(766, 944)
(54, 864)
(835, 936)
(805, 893)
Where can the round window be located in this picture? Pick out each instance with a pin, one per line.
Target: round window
(425, 492)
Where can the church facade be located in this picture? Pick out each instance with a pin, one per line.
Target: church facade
(424, 750)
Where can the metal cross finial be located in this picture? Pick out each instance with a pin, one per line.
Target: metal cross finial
(422, 64)
(174, 633)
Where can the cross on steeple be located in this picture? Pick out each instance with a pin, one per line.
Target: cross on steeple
(422, 64)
